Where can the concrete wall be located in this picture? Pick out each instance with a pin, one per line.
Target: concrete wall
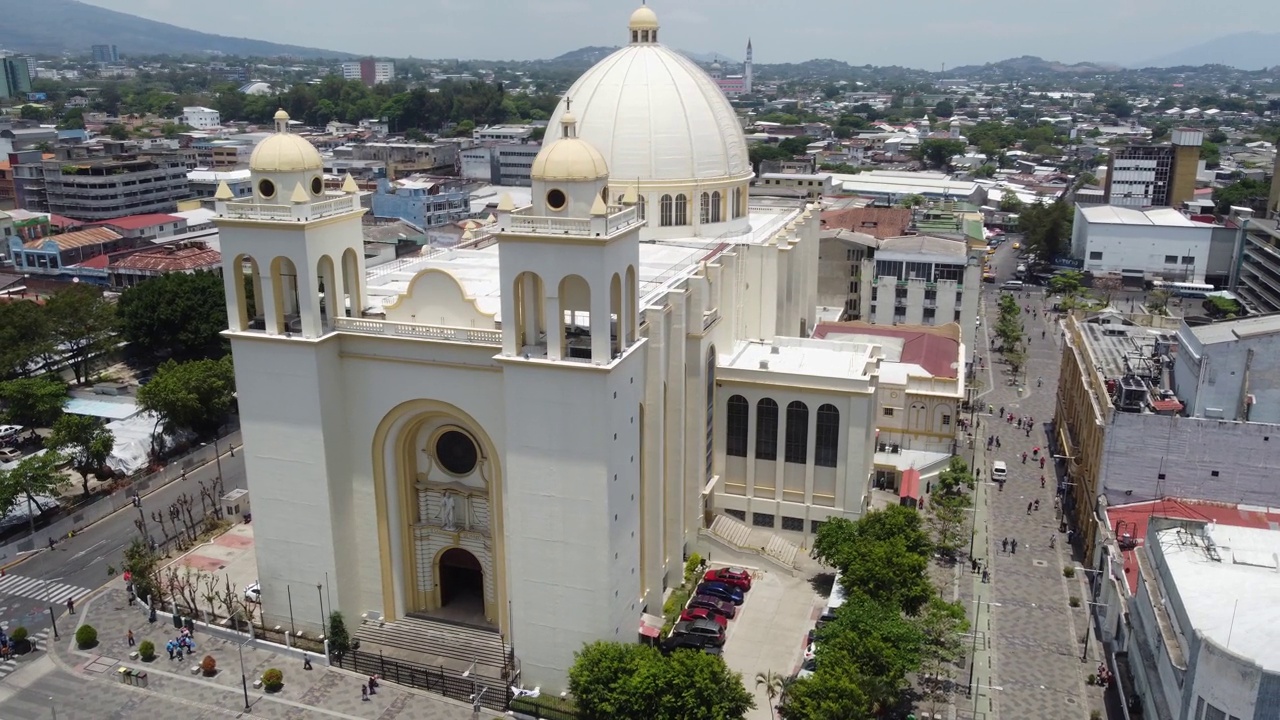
(1142, 247)
(1213, 380)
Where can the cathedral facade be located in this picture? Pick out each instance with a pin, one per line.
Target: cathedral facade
(530, 424)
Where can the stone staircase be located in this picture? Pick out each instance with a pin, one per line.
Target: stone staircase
(438, 644)
(740, 536)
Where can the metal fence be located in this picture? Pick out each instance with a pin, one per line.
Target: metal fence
(424, 677)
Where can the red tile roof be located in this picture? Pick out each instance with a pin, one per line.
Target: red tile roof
(166, 259)
(97, 263)
(1131, 521)
(138, 222)
(931, 349)
(875, 221)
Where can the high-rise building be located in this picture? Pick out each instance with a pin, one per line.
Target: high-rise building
(105, 54)
(1155, 175)
(747, 75)
(369, 71)
(15, 77)
(111, 187)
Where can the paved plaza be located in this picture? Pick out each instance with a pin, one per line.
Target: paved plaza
(1028, 639)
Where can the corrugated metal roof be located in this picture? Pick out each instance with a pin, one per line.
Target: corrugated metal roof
(79, 238)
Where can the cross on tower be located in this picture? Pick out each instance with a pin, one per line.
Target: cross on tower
(568, 103)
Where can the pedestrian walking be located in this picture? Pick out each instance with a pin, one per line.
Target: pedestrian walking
(1042, 462)
(1041, 334)
(71, 606)
(997, 441)
(1013, 546)
(306, 661)
(1004, 545)
(129, 637)
(986, 575)
(169, 646)
(1041, 481)
(973, 565)
(1024, 457)
(364, 692)
(1028, 508)
(1053, 541)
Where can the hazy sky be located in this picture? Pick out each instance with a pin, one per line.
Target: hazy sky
(915, 33)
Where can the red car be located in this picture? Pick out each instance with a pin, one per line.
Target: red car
(716, 605)
(731, 576)
(703, 614)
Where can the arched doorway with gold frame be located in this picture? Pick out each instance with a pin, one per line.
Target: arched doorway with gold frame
(437, 480)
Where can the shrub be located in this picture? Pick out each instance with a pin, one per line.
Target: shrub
(209, 666)
(86, 636)
(1074, 601)
(18, 635)
(691, 566)
(1092, 679)
(339, 639)
(147, 650)
(1095, 715)
(272, 680)
(1068, 571)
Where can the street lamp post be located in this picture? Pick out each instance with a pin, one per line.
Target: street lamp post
(244, 679)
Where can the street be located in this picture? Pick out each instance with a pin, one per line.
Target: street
(78, 565)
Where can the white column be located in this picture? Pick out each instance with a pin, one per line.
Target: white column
(555, 327)
(528, 290)
(601, 350)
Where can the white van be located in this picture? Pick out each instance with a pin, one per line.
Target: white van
(999, 471)
(1014, 285)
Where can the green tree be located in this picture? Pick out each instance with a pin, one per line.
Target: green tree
(938, 153)
(944, 109)
(33, 402)
(25, 340)
(625, 680)
(1047, 228)
(1067, 283)
(1211, 155)
(911, 201)
(34, 476)
(775, 684)
(118, 131)
(1245, 192)
(84, 441)
(1217, 137)
(1010, 202)
(196, 395)
(942, 625)
(83, 323)
(176, 315)
(72, 119)
(339, 639)
(1158, 300)
(873, 638)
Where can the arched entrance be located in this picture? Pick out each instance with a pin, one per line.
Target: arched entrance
(461, 585)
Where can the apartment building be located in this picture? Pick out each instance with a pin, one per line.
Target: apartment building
(369, 71)
(500, 163)
(15, 77)
(103, 188)
(422, 202)
(1257, 277)
(105, 54)
(404, 158)
(200, 118)
(1155, 175)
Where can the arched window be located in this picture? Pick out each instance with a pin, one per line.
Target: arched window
(640, 208)
(711, 409)
(735, 426)
(682, 210)
(715, 206)
(704, 209)
(826, 446)
(766, 430)
(797, 433)
(664, 208)
(737, 201)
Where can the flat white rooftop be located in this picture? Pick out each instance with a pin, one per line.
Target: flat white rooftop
(1231, 600)
(804, 356)
(1159, 217)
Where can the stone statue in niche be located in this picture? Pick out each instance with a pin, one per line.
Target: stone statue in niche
(447, 504)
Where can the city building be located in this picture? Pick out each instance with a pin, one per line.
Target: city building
(813, 186)
(105, 54)
(849, 237)
(499, 163)
(891, 186)
(404, 158)
(533, 422)
(132, 268)
(52, 254)
(204, 183)
(200, 118)
(734, 85)
(1256, 279)
(519, 133)
(224, 153)
(149, 227)
(1155, 175)
(1223, 369)
(369, 71)
(15, 77)
(424, 203)
(92, 189)
(1155, 244)
(922, 280)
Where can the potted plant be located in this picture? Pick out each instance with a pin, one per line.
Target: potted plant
(86, 637)
(209, 666)
(272, 680)
(20, 639)
(147, 650)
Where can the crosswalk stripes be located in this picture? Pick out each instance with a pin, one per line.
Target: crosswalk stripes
(35, 588)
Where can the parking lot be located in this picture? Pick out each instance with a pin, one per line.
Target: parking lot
(771, 628)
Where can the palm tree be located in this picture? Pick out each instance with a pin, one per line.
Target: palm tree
(775, 685)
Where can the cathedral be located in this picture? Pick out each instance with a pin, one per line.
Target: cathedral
(543, 423)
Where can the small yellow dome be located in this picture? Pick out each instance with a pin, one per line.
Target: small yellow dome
(285, 152)
(569, 159)
(281, 115)
(644, 19)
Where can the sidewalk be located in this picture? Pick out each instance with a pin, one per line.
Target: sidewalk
(319, 693)
(1029, 639)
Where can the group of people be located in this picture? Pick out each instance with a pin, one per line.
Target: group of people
(181, 646)
(369, 688)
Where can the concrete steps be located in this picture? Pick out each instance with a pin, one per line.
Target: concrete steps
(784, 551)
(731, 531)
(435, 643)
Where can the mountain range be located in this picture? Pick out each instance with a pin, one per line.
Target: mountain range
(51, 27)
(1245, 51)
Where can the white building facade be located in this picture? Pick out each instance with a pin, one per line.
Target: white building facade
(1153, 244)
(922, 280)
(200, 118)
(530, 425)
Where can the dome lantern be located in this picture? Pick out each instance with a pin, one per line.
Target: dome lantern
(643, 26)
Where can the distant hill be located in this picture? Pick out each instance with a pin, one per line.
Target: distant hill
(1243, 51)
(1028, 65)
(50, 27)
(582, 56)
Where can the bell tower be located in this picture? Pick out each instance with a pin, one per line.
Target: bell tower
(573, 383)
(292, 253)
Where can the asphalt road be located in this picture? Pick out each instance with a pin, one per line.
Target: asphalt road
(78, 565)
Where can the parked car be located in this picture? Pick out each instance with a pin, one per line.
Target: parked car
(714, 604)
(8, 455)
(722, 591)
(704, 614)
(253, 593)
(731, 576)
(9, 434)
(811, 651)
(686, 641)
(807, 669)
(706, 628)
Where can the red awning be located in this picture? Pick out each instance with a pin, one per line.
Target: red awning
(910, 484)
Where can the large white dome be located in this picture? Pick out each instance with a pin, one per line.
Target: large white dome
(656, 116)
